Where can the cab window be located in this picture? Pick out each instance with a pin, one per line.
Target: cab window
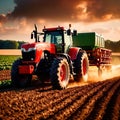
(53, 37)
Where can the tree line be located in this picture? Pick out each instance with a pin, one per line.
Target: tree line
(113, 45)
(9, 44)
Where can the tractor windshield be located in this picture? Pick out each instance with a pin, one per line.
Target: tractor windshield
(54, 37)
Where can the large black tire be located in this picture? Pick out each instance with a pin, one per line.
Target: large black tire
(17, 79)
(42, 71)
(81, 65)
(60, 73)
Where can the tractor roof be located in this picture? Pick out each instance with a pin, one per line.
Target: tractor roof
(53, 29)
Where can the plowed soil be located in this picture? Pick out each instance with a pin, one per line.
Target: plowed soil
(94, 101)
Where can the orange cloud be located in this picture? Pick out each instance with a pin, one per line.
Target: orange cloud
(58, 12)
(67, 10)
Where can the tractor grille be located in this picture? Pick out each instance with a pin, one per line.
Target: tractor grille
(28, 56)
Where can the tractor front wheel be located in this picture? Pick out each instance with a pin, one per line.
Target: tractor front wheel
(17, 79)
(42, 71)
(60, 73)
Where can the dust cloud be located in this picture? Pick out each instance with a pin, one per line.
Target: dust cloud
(93, 76)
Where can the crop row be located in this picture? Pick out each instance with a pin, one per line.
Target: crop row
(7, 61)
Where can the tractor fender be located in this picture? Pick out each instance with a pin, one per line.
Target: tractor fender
(73, 51)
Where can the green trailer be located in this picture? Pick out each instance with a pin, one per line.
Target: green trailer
(88, 41)
(94, 45)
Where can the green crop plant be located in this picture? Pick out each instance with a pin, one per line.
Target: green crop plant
(6, 61)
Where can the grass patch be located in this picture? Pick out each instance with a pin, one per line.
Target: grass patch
(6, 61)
(5, 83)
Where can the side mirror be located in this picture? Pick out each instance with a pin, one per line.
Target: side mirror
(68, 32)
(74, 33)
(31, 35)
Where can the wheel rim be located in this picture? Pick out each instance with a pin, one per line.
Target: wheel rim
(84, 67)
(63, 73)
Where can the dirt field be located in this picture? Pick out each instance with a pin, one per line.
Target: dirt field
(10, 52)
(95, 100)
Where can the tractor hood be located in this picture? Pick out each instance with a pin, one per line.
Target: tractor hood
(32, 52)
(38, 46)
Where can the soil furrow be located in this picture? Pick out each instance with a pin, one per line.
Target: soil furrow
(74, 104)
(113, 106)
(100, 100)
(101, 104)
(83, 111)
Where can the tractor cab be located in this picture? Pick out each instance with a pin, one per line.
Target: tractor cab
(60, 37)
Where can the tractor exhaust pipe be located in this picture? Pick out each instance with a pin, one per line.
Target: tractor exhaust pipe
(34, 34)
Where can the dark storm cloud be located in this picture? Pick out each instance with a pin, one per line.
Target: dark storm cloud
(2, 18)
(66, 10)
(103, 9)
(46, 9)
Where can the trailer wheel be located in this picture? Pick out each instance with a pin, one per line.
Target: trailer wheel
(81, 65)
(109, 68)
(99, 72)
(60, 73)
(17, 79)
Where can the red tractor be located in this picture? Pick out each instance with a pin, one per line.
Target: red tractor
(54, 59)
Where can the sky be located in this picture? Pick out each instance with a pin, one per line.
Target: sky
(17, 17)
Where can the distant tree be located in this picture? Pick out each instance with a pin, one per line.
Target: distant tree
(20, 44)
(13, 45)
(10, 44)
(113, 45)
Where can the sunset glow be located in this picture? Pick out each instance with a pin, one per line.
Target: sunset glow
(18, 18)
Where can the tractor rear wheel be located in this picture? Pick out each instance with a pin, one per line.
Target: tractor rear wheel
(17, 79)
(60, 73)
(81, 66)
